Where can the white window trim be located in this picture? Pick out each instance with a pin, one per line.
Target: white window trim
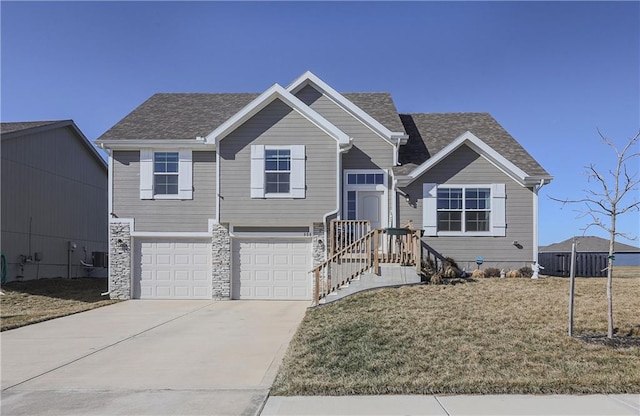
(185, 174)
(497, 217)
(297, 172)
(384, 188)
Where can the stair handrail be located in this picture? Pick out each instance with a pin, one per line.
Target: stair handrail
(410, 252)
(370, 263)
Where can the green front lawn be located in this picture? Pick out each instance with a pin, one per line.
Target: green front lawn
(491, 336)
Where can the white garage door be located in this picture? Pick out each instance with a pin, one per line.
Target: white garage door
(172, 269)
(271, 269)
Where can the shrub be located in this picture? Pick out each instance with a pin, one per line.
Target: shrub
(492, 272)
(436, 279)
(451, 269)
(478, 274)
(514, 273)
(448, 261)
(526, 271)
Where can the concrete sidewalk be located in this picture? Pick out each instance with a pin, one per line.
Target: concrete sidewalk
(613, 404)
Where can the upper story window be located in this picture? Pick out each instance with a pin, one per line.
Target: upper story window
(464, 209)
(165, 173)
(278, 171)
(471, 210)
(277, 168)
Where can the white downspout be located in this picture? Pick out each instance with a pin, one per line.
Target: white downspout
(325, 217)
(536, 189)
(109, 211)
(217, 216)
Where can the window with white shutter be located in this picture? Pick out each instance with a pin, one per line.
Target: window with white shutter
(166, 174)
(278, 171)
(464, 210)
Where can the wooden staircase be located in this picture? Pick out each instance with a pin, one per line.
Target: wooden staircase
(355, 249)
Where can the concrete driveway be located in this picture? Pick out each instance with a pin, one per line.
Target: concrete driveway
(149, 358)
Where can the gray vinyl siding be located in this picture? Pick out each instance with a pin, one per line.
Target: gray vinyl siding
(369, 150)
(54, 191)
(276, 124)
(462, 167)
(164, 214)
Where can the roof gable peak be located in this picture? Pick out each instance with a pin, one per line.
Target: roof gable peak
(477, 145)
(309, 78)
(274, 92)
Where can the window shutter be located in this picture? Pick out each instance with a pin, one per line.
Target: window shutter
(257, 171)
(298, 180)
(498, 210)
(146, 174)
(430, 209)
(185, 174)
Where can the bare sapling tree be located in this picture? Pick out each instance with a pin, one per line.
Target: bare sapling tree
(611, 194)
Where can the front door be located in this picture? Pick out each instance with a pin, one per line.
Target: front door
(369, 207)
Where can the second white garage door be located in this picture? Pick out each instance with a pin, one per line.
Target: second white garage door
(172, 269)
(271, 269)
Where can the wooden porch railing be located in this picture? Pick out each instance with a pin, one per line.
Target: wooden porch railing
(432, 258)
(345, 232)
(352, 259)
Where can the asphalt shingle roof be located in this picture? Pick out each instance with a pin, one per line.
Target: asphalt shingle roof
(588, 244)
(178, 116)
(171, 116)
(167, 116)
(431, 132)
(10, 127)
(378, 105)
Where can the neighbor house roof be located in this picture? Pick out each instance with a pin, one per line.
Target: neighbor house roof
(588, 244)
(14, 130)
(171, 116)
(429, 133)
(11, 127)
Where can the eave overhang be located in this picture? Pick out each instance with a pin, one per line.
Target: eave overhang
(137, 144)
(484, 150)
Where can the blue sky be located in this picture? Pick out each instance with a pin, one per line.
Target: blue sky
(550, 72)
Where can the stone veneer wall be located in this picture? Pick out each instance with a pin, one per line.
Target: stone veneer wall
(221, 262)
(319, 245)
(319, 249)
(120, 260)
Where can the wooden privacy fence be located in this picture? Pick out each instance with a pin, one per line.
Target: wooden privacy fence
(587, 264)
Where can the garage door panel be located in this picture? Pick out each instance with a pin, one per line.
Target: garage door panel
(281, 275)
(260, 275)
(262, 260)
(299, 260)
(166, 269)
(182, 275)
(200, 259)
(299, 276)
(271, 269)
(163, 259)
(200, 275)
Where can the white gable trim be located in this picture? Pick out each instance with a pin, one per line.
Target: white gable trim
(477, 145)
(277, 92)
(308, 78)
